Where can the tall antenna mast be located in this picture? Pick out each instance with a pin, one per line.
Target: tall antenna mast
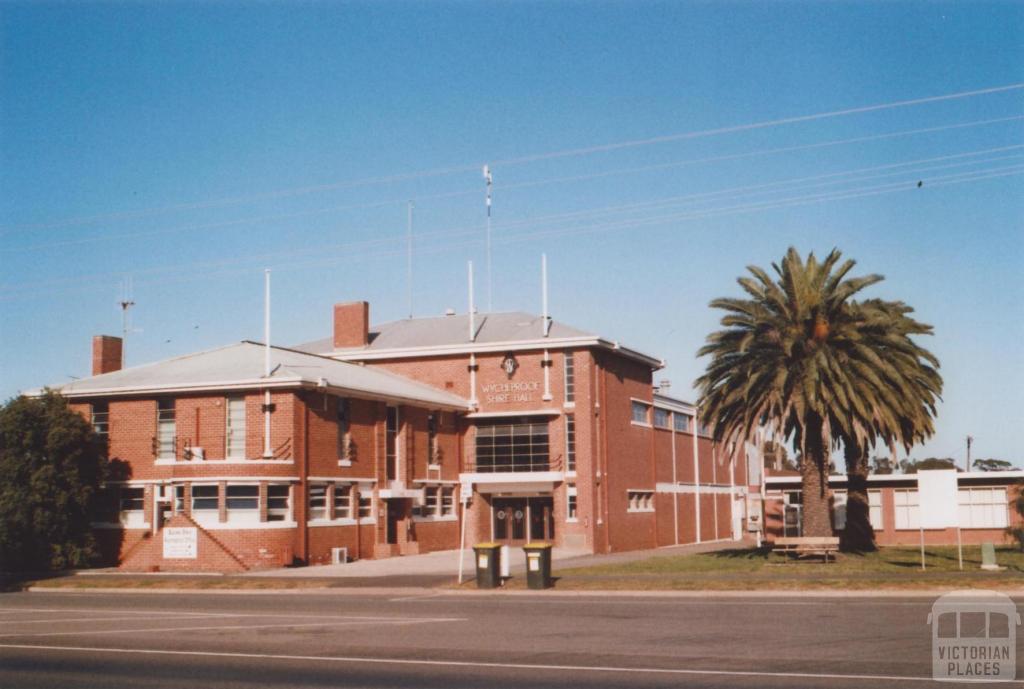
(970, 439)
(490, 294)
(409, 257)
(126, 303)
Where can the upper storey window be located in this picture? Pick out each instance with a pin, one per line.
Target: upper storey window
(165, 429)
(641, 413)
(101, 419)
(570, 378)
(236, 428)
(519, 445)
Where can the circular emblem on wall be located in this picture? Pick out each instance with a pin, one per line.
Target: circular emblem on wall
(509, 365)
(501, 515)
(518, 515)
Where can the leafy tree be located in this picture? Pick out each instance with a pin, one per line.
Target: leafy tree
(1018, 531)
(883, 465)
(802, 357)
(908, 466)
(50, 473)
(993, 465)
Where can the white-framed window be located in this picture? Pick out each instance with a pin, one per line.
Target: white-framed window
(132, 505)
(243, 502)
(342, 501)
(179, 498)
(570, 502)
(640, 501)
(205, 497)
(839, 510)
(447, 501)
(433, 456)
(165, 429)
(430, 501)
(641, 413)
(514, 444)
(681, 422)
(279, 502)
(703, 429)
(661, 417)
(906, 508)
(366, 503)
(875, 510)
(569, 366)
(983, 508)
(101, 419)
(570, 442)
(235, 435)
(343, 416)
(317, 501)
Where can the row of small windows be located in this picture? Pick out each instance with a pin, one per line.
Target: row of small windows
(343, 497)
(663, 418)
(979, 508)
(438, 501)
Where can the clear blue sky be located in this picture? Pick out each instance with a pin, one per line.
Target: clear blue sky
(190, 146)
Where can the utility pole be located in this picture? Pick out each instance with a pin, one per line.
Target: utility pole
(409, 257)
(970, 439)
(125, 303)
(490, 286)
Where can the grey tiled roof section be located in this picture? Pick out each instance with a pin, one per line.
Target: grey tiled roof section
(244, 362)
(491, 328)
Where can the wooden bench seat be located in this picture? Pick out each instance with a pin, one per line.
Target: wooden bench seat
(807, 545)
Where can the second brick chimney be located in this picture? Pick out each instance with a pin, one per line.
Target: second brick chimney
(106, 354)
(351, 324)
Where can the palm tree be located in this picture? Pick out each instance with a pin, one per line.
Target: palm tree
(805, 359)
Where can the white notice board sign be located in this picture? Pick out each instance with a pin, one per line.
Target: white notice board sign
(181, 543)
(937, 497)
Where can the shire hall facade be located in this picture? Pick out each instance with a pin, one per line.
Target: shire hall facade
(401, 438)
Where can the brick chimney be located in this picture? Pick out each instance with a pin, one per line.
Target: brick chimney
(106, 354)
(351, 324)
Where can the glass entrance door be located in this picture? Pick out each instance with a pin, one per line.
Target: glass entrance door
(518, 520)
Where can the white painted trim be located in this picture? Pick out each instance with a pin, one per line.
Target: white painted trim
(434, 518)
(904, 478)
(205, 480)
(339, 479)
(512, 477)
(435, 481)
(257, 526)
(341, 521)
(206, 462)
(688, 488)
(502, 414)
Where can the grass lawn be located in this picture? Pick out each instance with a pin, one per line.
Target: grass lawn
(750, 568)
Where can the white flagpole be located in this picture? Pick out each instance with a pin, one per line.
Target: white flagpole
(490, 295)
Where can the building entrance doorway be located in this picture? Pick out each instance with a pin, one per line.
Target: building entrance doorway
(518, 520)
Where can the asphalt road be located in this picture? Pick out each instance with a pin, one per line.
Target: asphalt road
(71, 640)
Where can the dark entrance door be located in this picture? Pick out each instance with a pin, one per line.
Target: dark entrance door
(518, 520)
(394, 514)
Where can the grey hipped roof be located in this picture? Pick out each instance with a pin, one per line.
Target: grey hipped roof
(491, 328)
(241, 366)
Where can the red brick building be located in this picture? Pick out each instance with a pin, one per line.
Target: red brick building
(390, 440)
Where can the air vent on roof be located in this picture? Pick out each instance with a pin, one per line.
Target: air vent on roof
(449, 312)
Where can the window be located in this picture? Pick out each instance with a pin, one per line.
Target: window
(983, 508)
(165, 430)
(391, 443)
(875, 509)
(101, 419)
(179, 498)
(433, 457)
(570, 442)
(447, 501)
(342, 501)
(570, 378)
(430, 495)
(570, 502)
(235, 428)
(661, 417)
(520, 445)
(317, 501)
(703, 429)
(640, 501)
(365, 503)
(906, 509)
(278, 502)
(343, 415)
(839, 510)
(204, 498)
(641, 413)
(132, 499)
(681, 422)
(243, 498)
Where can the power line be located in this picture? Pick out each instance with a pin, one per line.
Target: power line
(618, 225)
(466, 192)
(521, 160)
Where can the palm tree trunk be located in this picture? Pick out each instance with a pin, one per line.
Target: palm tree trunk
(816, 518)
(858, 536)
